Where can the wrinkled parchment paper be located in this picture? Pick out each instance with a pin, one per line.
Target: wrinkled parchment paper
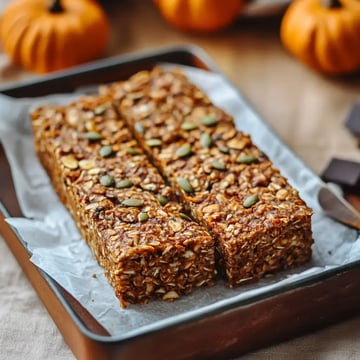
(56, 246)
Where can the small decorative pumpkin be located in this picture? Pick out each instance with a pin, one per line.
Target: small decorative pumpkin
(199, 15)
(44, 37)
(324, 34)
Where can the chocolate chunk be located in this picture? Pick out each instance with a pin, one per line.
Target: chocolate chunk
(353, 120)
(345, 173)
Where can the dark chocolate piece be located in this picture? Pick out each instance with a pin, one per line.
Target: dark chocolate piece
(345, 173)
(353, 120)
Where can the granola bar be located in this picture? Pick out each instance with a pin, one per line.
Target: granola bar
(122, 206)
(260, 223)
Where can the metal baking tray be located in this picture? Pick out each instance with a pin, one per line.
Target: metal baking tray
(230, 331)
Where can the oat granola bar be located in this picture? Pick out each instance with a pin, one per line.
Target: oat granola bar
(260, 223)
(122, 206)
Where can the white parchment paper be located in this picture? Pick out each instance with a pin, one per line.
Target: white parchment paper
(56, 246)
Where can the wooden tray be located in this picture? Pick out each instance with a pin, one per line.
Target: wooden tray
(230, 331)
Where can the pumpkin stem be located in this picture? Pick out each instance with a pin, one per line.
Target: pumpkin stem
(56, 7)
(332, 4)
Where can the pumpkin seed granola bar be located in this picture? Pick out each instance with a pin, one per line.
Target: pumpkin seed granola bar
(122, 206)
(260, 223)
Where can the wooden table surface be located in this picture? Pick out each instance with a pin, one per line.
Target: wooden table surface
(306, 109)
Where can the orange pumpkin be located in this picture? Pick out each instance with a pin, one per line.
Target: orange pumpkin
(45, 38)
(199, 15)
(324, 34)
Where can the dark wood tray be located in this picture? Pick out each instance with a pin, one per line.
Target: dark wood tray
(233, 330)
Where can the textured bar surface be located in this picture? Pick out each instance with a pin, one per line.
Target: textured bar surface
(122, 206)
(260, 223)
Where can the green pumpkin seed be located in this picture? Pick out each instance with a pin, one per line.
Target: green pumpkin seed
(251, 200)
(206, 140)
(139, 128)
(107, 180)
(132, 202)
(106, 151)
(124, 183)
(188, 125)
(224, 149)
(99, 110)
(218, 165)
(153, 142)
(185, 185)
(186, 217)
(183, 151)
(143, 216)
(132, 151)
(247, 159)
(209, 120)
(93, 136)
(163, 200)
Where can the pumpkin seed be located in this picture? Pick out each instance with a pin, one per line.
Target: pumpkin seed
(163, 200)
(185, 184)
(209, 120)
(94, 171)
(99, 110)
(132, 151)
(184, 151)
(124, 183)
(251, 200)
(139, 128)
(186, 217)
(218, 165)
(206, 140)
(247, 159)
(188, 125)
(87, 164)
(107, 180)
(106, 151)
(132, 202)
(70, 162)
(93, 136)
(143, 216)
(224, 149)
(153, 142)
(149, 187)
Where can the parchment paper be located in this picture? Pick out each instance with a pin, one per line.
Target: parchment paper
(56, 246)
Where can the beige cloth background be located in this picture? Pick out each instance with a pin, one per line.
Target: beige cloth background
(306, 109)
